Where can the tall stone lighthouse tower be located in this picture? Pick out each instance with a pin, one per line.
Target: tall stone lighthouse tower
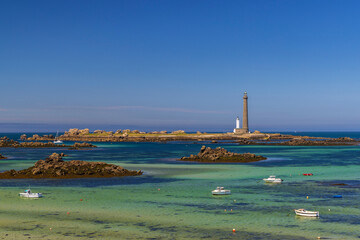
(245, 125)
(245, 120)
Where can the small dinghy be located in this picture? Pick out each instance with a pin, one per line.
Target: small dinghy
(272, 179)
(308, 174)
(28, 194)
(221, 191)
(337, 196)
(305, 213)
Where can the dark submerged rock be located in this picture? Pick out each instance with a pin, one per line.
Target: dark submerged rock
(82, 145)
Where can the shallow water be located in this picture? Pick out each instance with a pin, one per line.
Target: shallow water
(173, 200)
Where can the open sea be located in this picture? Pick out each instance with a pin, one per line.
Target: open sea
(173, 200)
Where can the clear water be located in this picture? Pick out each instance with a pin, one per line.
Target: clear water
(173, 200)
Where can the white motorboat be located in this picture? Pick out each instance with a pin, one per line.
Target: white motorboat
(305, 213)
(273, 179)
(57, 141)
(28, 194)
(221, 191)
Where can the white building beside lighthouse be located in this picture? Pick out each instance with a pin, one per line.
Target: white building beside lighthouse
(237, 123)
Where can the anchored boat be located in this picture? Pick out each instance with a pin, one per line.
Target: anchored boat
(57, 140)
(28, 194)
(221, 191)
(305, 213)
(272, 179)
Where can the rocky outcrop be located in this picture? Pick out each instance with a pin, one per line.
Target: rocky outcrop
(2, 157)
(81, 145)
(23, 137)
(244, 142)
(77, 132)
(55, 167)
(6, 142)
(288, 140)
(178, 132)
(326, 142)
(210, 155)
(345, 139)
(37, 137)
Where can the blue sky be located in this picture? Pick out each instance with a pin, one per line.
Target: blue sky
(180, 64)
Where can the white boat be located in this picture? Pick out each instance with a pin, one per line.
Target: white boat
(28, 194)
(273, 179)
(220, 191)
(305, 213)
(57, 141)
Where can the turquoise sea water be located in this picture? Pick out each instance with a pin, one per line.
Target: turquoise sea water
(173, 200)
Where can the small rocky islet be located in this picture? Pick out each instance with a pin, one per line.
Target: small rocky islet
(10, 143)
(55, 167)
(221, 155)
(307, 141)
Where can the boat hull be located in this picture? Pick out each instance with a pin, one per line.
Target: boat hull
(31, 195)
(273, 181)
(307, 213)
(226, 192)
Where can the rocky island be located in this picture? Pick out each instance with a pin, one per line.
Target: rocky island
(55, 167)
(209, 155)
(254, 138)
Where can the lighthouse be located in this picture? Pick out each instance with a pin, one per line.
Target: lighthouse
(245, 119)
(245, 126)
